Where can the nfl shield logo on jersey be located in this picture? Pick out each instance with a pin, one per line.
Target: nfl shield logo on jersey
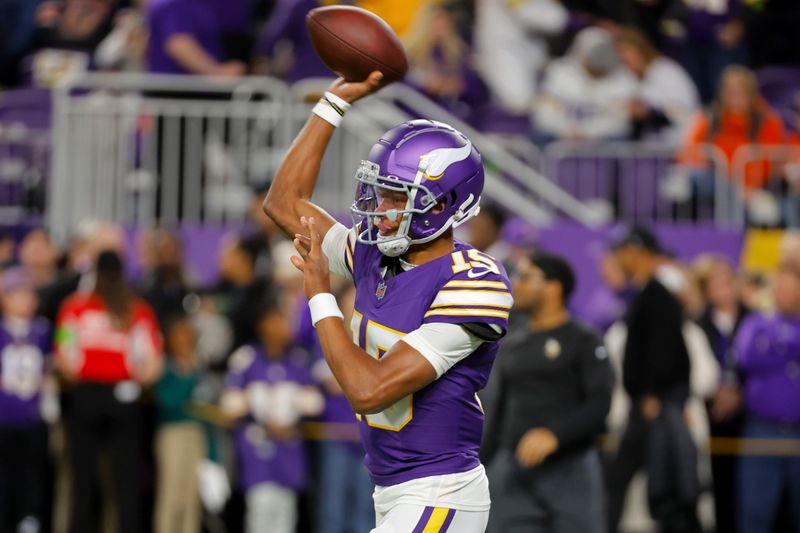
(380, 291)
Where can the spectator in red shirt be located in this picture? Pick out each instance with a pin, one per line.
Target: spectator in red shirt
(108, 343)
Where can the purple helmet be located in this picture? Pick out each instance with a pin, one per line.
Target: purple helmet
(430, 162)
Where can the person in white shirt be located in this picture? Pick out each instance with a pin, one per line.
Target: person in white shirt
(585, 95)
(511, 48)
(666, 98)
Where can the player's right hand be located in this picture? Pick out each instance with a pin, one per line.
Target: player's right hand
(350, 91)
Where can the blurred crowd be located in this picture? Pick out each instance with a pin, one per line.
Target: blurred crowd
(706, 360)
(134, 398)
(685, 73)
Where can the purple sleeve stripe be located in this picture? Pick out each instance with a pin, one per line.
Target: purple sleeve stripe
(502, 322)
(423, 520)
(451, 513)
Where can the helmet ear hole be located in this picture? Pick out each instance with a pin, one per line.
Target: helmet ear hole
(439, 207)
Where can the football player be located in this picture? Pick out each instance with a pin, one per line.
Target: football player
(429, 310)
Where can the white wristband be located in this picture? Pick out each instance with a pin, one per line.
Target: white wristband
(331, 109)
(323, 305)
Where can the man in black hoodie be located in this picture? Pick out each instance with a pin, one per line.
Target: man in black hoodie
(655, 375)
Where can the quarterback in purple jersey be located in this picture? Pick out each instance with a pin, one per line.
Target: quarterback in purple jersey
(429, 310)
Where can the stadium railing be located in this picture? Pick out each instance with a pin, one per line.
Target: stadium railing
(24, 166)
(767, 177)
(138, 148)
(135, 148)
(512, 179)
(642, 181)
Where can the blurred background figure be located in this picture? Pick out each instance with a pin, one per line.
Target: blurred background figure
(655, 375)
(268, 390)
(584, 96)
(18, 21)
(484, 232)
(720, 321)
(707, 37)
(27, 404)
(109, 348)
(77, 264)
(767, 351)
(511, 46)
(166, 283)
(440, 62)
(66, 36)
(738, 116)
(283, 48)
(666, 98)
(608, 301)
(125, 47)
(241, 288)
(186, 37)
(180, 443)
(38, 256)
(550, 394)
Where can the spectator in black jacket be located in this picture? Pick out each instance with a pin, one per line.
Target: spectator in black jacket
(552, 390)
(655, 374)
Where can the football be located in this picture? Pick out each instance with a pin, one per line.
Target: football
(353, 42)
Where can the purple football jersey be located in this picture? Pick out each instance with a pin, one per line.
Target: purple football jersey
(23, 356)
(437, 430)
(261, 459)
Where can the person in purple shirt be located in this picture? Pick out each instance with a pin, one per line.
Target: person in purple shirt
(429, 310)
(767, 351)
(706, 37)
(268, 390)
(186, 37)
(25, 350)
(287, 25)
(440, 62)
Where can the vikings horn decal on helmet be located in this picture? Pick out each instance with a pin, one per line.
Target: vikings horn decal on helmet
(431, 163)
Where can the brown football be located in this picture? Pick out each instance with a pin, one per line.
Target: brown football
(353, 42)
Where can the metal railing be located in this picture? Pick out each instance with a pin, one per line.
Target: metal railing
(644, 182)
(767, 178)
(511, 180)
(24, 168)
(137, 149)
(140, 149)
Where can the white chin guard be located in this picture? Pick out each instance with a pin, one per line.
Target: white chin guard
(393, 247)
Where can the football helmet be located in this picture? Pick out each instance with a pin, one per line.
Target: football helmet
(430, 162)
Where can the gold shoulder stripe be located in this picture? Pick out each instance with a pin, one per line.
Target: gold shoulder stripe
(473, 298)
(349, 257)
(463, 304)
(467, 312)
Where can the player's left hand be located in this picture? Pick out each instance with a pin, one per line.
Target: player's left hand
(535, 446)
(312, 261)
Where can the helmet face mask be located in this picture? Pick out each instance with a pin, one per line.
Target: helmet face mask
(370, 194)
(431, 164)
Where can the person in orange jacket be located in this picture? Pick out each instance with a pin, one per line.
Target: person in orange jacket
(739, 116)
